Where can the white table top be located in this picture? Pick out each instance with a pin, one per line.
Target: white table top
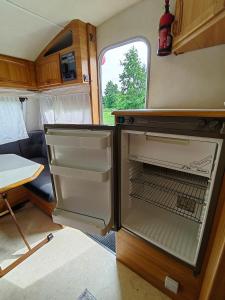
(16, 170)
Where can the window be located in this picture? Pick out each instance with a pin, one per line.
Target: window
(124, 70)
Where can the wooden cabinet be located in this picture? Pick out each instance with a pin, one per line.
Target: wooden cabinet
(198, 24)
(15, 72)
(154, 266)
(71, 40)
(48, 71)
(15, 197)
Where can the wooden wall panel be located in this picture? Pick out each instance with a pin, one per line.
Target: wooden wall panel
(93, 73)
(198, 24)
(46, 207)
(153, 265)
(213, 286)
(15, 196)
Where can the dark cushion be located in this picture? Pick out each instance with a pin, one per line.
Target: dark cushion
(34, 146)
(10, 148)
(44, 147)
(42, 185)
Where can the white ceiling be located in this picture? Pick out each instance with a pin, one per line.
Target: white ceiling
(26, 26)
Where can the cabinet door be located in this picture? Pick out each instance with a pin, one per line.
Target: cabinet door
(82, 163)
(19, 72)
(191, 14)
(4, 70)
(198, 24)
(48, 71)
(14, 71)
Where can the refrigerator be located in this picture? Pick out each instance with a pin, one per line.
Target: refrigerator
(158, 184)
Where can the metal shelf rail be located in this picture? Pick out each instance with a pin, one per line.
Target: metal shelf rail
(180, 193)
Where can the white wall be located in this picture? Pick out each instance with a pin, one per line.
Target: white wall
(192, 80)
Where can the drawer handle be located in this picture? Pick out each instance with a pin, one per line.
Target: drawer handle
(167, 140)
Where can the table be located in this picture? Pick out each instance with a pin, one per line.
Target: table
(14, 172)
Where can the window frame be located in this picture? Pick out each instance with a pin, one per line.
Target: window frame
(116, 45)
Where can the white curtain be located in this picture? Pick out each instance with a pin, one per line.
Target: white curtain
(66, 107)
(47, 109)
(31, 112)
(12, 126)
(72, 109)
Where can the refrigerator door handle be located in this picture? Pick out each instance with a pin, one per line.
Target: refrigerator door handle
(167, 140)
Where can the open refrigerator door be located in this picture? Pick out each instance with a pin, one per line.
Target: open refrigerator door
(81, 160)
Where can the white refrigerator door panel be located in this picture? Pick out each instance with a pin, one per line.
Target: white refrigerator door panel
(82, 172)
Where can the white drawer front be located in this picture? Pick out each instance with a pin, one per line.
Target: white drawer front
(188, 154)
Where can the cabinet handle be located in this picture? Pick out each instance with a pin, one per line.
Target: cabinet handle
(177, 25)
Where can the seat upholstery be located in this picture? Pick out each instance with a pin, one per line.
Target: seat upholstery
(10, 148)
(42, 185)
(34, 148)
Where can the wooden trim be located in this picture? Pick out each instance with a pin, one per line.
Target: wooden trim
(93, 72)
(22, 182)
(46, 207)
(79, 47)
(17, 73)
(154, 265)
(14, 59)
(55, 39)
(214, 279)
(171, 113)
(14, 196)
(206, 34)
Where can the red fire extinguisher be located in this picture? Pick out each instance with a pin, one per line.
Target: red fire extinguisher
(165, 36)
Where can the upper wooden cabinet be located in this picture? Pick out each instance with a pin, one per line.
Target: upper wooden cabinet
(48, 71)
(69, 45)
(15, 72)
(198, 24)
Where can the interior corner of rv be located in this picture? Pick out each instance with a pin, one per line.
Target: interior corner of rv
(112, 150)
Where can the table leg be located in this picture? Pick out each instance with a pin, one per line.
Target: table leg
(4, 196)
(30, 250)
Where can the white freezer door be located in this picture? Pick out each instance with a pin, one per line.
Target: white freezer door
(184, 153)
(81, 163)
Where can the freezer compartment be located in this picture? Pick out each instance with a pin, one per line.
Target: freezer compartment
(165, 207)
(189, 154)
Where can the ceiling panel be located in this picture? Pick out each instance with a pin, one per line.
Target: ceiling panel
(26, 26)
(21, 34)
(63, 11)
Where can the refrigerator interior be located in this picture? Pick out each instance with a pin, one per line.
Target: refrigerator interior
(81, 164)
(162, 201)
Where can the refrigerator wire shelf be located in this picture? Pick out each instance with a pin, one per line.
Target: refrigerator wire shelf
(180, 193)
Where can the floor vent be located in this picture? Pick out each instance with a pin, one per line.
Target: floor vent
(107, 241)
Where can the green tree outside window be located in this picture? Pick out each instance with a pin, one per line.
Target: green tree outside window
(132, 93)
